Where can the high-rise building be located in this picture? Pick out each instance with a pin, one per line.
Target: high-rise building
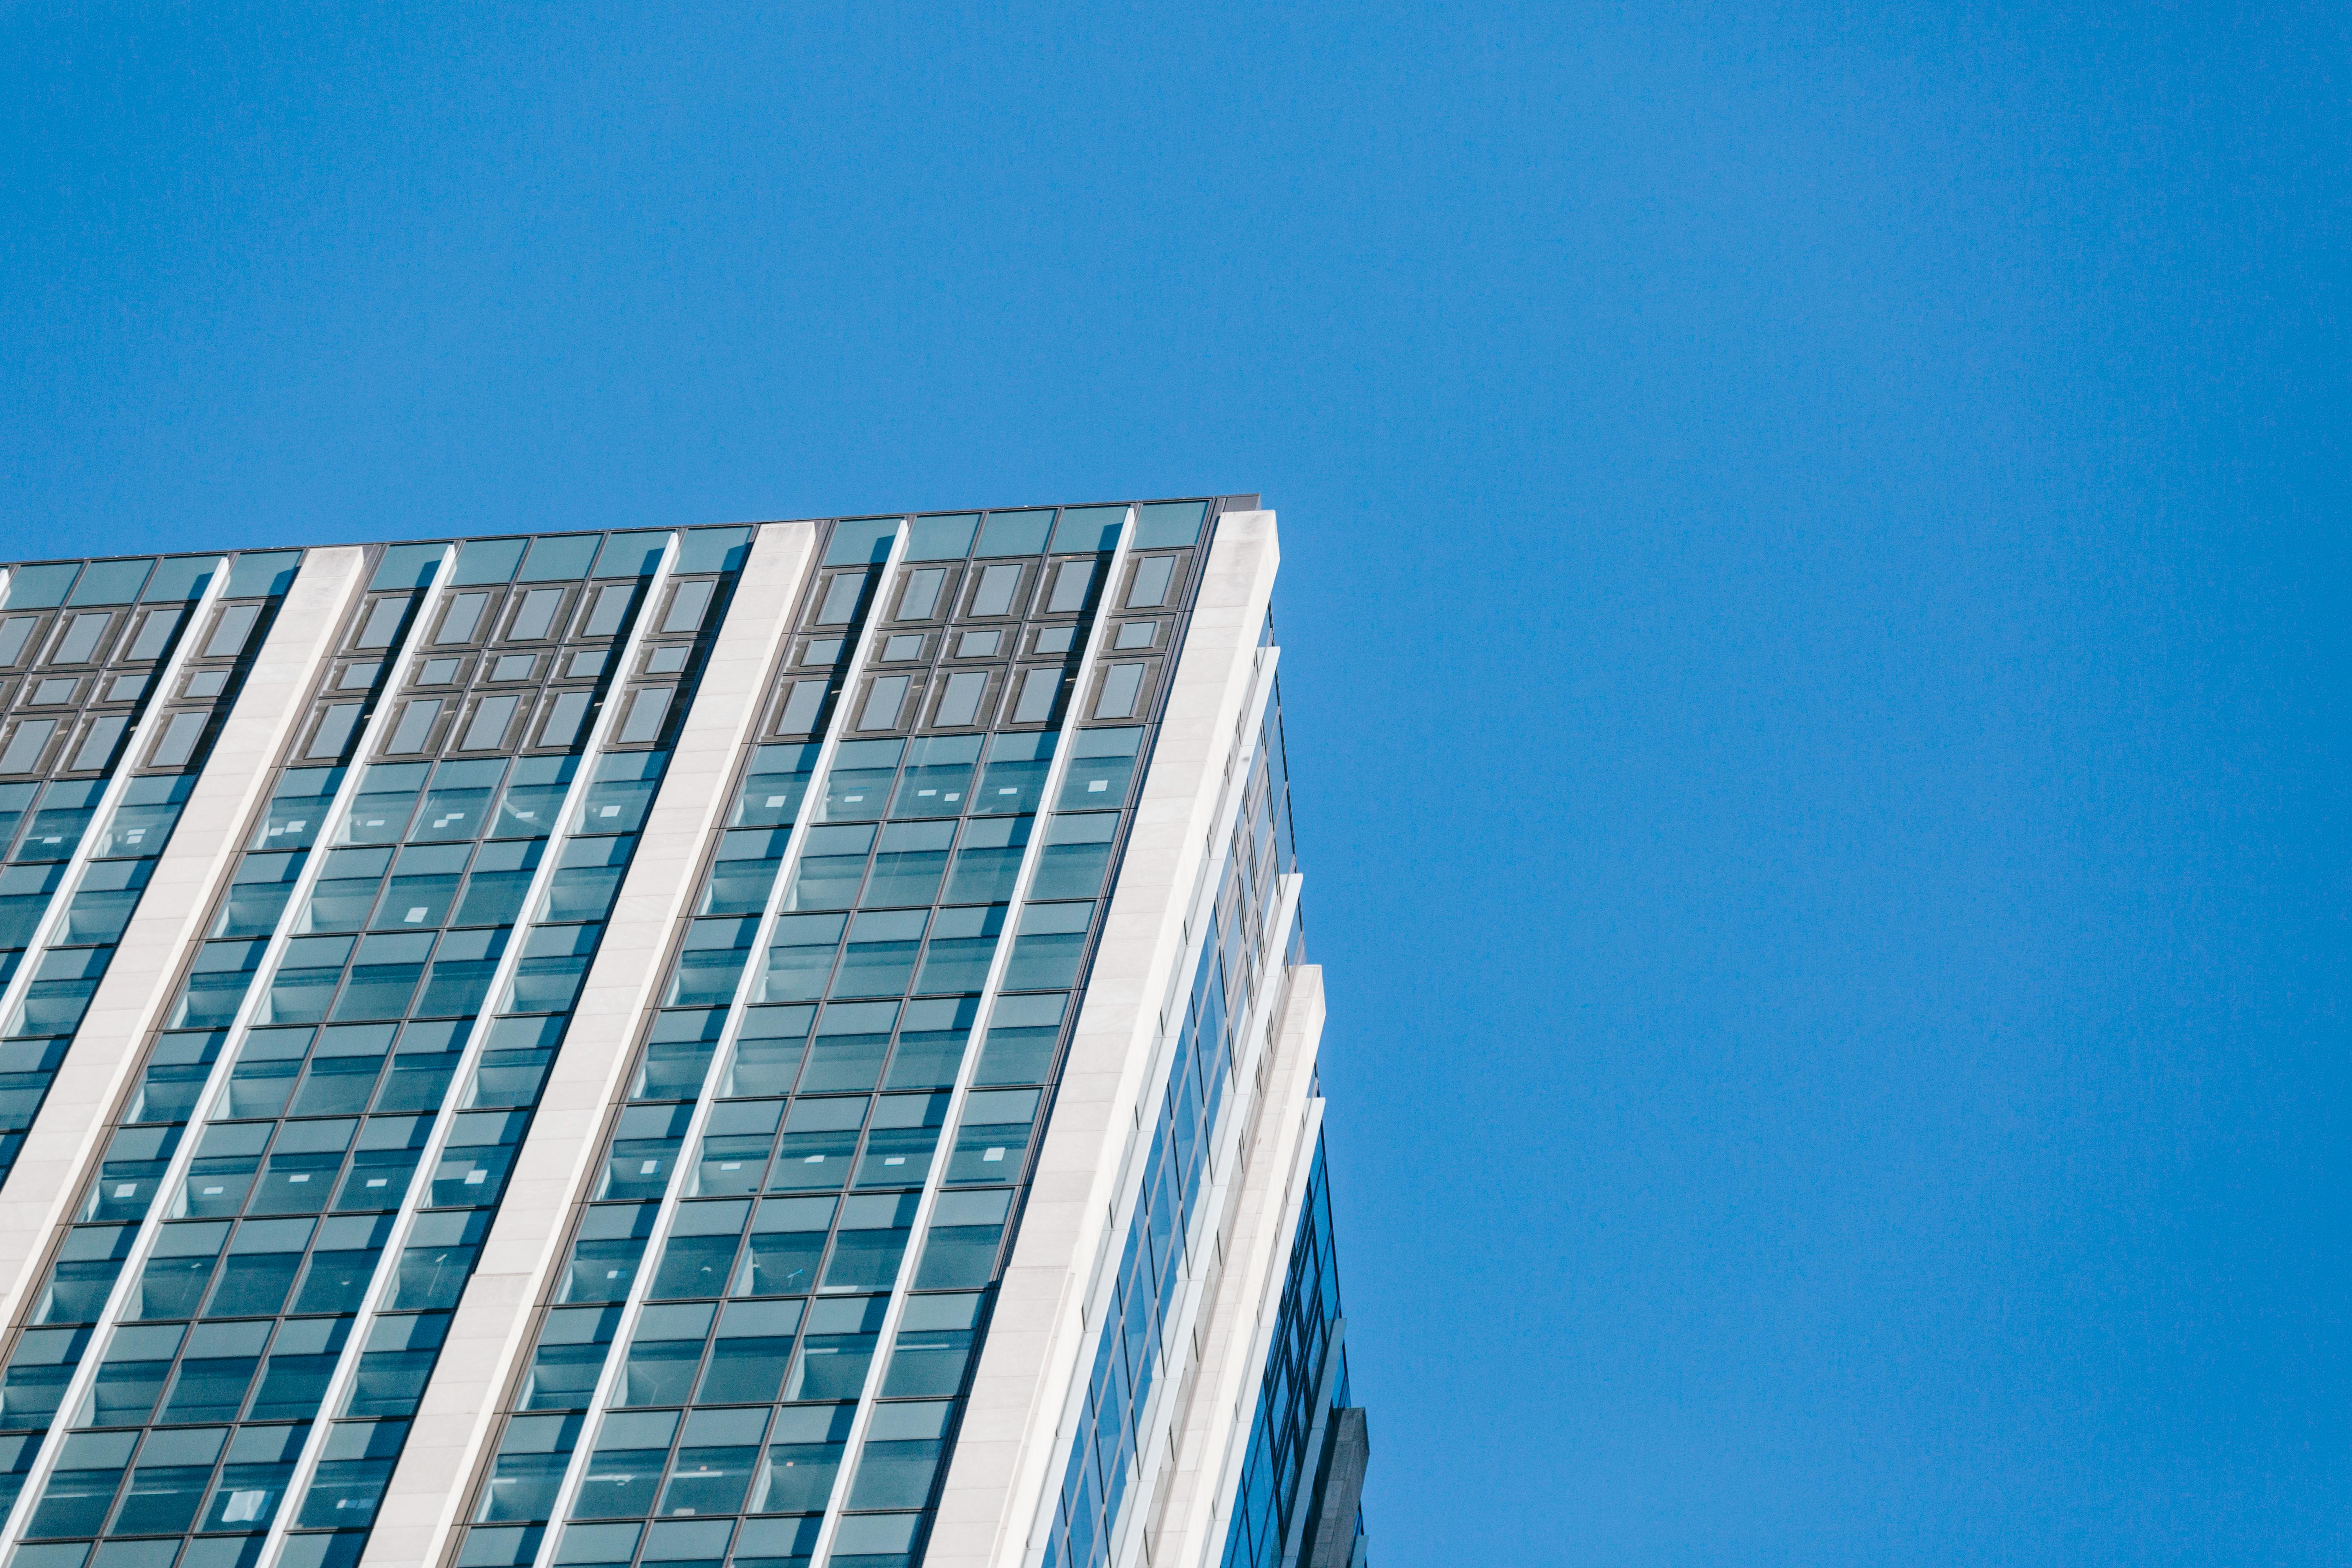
(762, 1045)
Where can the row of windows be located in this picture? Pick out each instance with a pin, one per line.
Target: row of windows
(49, 1003)
(245, 1244)
(791, 1197)
(34, 740)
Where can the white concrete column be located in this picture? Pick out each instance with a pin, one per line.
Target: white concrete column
(490, 1333)
(1237, 1331)
(1008, 1453)
(70, 1131)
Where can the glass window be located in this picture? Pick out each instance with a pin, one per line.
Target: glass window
(1016, 533)
(947, 538)
(1021, 1034)
(713, 548)
(962, 943)
(1162, 524)
(837, 1348)
(1077, 855)
(1102, 766)
(1038, 688)
(664, 1355)
(921, 599)
(859, 784)
(803, 1458)
(842, 597)
(788, 1239)
(1149, 587)
(885, 696)
(37, 588)
(935, 1340)
(638, 554)
(556, 557)
(749, 1355)
(1071, 581)
(626, 1471)
(903, 1446)
(1122, 686)
(1015, 775)
(993, 588)
(913, 855)
(960, 695)
(690, 603)
(861, 539)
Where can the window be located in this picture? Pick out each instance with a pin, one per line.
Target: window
(841, 597)
(1071, 581)
(921, 596)
(992, 590)
(1038, 690)
(960, 698)
(689, 603)
(78, 639)
(884, 698)
(1149, 587)
(1121, 684)
(178, 743)
(384, 618)
(154, 635)
(534, 614)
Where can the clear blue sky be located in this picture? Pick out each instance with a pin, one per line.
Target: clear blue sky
(1815, 589)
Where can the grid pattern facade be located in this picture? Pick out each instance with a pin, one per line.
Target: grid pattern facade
(820, 1011)
(766, 1305)
(126, 668)
(256, 1248)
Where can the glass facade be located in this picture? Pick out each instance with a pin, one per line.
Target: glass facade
(1279, 1466)
(750, 1338)
(756, 1342)
(115, 704)
(263, 1244)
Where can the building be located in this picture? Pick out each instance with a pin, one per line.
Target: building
(763, 1045)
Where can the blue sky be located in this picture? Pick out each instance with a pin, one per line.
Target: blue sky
(1814, 582)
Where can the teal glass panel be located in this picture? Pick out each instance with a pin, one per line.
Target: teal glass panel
(558, 557)
(1016, 533)
(181, 577)
(256, 576)
(861, 539)
(945, 537)
(39, 588)
(1088, 528)
(1163, 524)
(111, 583)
